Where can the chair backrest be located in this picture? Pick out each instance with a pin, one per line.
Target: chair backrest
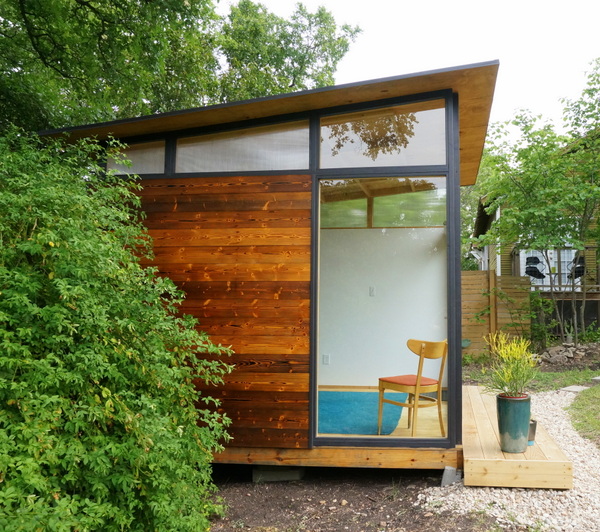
(432, 350)
(428, 349)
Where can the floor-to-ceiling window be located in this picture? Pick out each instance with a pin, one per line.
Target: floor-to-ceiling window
(383, 262)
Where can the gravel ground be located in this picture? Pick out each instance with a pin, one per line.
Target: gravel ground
(541, 510)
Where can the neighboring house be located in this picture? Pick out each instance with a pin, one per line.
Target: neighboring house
(315, 233)
(565, 274)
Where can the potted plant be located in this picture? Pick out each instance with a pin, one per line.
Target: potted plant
(513, 367)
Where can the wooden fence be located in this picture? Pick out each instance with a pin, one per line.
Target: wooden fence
(491, 303)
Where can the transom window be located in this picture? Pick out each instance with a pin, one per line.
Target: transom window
(274, 147)
(402, 135)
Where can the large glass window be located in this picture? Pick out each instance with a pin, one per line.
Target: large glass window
(382, 280)
(275, 147)
(145, 158)
(402, 135)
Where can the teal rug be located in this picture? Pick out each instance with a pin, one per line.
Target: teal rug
(356, 413)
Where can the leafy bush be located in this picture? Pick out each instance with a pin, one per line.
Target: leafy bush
(591, 334)
(98, 422)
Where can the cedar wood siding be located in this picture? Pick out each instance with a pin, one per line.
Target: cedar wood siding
(240, 249)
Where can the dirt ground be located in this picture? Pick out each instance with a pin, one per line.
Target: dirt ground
(353, 500)
(335, 500)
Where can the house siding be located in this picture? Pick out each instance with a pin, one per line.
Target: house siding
(240, 248)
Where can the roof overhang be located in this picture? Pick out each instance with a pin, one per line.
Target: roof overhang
(474, 84)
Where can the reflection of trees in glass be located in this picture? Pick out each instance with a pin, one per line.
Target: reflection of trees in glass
(378, 134)
(347, 189)
(383, 202)
(425, 208)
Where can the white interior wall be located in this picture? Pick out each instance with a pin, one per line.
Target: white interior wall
(378, 288)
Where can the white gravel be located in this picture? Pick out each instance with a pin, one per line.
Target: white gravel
(577, 509)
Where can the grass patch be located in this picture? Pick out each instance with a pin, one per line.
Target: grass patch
(585, 414)
(551, 380)
(545, 381)
(585, 409)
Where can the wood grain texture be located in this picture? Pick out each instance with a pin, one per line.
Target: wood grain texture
(222, 255)
(240, 248)
(390, 457)
(542, 465)
(249, 290)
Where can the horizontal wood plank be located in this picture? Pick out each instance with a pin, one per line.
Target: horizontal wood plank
(233, 219)
(258, 308)
(518, 474)
(256, 236)
(267, 382)
(226, 185)
(238, 290)
(370, 457)
(268, 438)
(235, 272)
(259, 399)
(250, 326)
(241, 202)
(272, 345)
(269, 418)
(269, 363)
(204, 255)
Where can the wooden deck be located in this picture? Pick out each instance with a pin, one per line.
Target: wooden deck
(543, 465)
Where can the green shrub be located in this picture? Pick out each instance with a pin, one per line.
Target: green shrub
(99, 428)
(591, 334)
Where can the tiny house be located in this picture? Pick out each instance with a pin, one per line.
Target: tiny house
(316, 233)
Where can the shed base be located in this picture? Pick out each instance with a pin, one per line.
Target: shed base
(377, 457)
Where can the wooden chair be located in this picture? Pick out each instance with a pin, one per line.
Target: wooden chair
(416, 385)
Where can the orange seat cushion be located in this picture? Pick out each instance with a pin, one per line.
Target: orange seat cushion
(409, 380)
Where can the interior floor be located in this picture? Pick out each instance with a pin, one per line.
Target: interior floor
(428, 425)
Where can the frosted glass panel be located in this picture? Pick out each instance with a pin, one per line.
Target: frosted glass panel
(403, 135)
(279, 147)
(145, 157)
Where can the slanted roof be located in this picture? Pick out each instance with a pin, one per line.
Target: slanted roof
(474, 85)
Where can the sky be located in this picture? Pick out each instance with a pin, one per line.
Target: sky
(544, 47)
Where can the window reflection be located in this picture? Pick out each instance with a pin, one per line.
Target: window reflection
(404, 135)
(383, 202)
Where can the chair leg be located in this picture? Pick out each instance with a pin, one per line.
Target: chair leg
(411, 400)
(380, 412)
(414, 413)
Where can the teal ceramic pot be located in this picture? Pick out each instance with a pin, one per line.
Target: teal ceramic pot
(513, 422)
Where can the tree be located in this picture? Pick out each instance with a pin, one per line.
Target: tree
(101, 427)
(75, 61)
(98, 426)
(546, 183)
(264, 54)
(68, 62)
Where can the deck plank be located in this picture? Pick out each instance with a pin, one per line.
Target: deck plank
(487, 428)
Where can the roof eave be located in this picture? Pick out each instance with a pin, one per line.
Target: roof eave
(474, 85)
